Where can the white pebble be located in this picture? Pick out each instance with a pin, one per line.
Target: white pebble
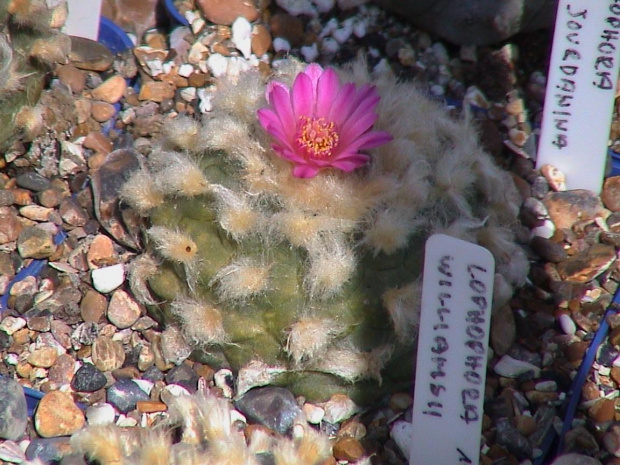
(242, 36)
(144, 384)
(217, 65)
(314, 413)
(108, 278)
(567, 324)
(156, 67)
(188, 94)
(126, 422)
(546, 386)
(329, 27)
(310, 52)
(509, 367)
(401, 433)
(11, 359)
(281, 45)
(185, 70)
(323, 6)
(100, 414)
(12, 324)
(297, 7)
(437, 90)
(235, 416)
(546, 230)
(221, 378)
(204, 100)
(197, 25)
(342, 35)
(330, 45)
(360, 28)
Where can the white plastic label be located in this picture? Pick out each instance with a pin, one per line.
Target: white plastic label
(83, 19)
(452, 352)
(581, 86)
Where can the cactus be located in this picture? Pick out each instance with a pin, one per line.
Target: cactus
(30, 45)
(313, 282)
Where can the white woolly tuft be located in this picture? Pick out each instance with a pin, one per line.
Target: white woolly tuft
(390, 231)
(236, 214)
(141, 193)
(201, 322)
(173, 245)
(99, 443)
(140, 270)
(182, 132)
(309, 338)
(403, 306)
(331, 265)
(241, 280)
(353, 365)
(178, 174)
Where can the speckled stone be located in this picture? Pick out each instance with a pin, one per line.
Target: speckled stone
(57, 415)
(107, 354)
(13, 409)
(88, 379)
(123, 310)
(587, 265)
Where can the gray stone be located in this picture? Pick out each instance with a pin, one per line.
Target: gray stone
(509, 437)
(475, 22)
(13, 409)
(575, 459)
(124, 394)
(33, 181)
(34, 242)
(48, 450)
(273, 407)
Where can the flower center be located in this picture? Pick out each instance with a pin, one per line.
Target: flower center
(317, 137)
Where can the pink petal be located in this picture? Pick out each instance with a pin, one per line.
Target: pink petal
(314, 72)
(341, 106)
(269, 90)
(370, 140)
(352, 162)
(302, 96)
(326, 92)
(354, 128)
(282, 107)
(305, 171)
(362, 107)
(289, 154)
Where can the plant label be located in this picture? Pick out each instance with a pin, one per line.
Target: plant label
(83, 19)
(452, 353)
(581, 88)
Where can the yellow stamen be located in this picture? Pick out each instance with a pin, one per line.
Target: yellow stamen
(316, 137)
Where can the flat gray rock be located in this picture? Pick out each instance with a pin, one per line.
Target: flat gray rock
(13, 409)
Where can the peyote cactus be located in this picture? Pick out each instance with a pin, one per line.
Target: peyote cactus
(30, 45)
(307, 274)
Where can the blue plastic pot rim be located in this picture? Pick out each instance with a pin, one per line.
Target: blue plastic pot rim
(174, 14)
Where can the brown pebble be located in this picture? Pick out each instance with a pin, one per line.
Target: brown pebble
(111, 90)
(102, 111)
(225, 13)
(99, 142)
(197, 79)
(150, 406)
(525, 424)
(50, 197)
(61, 372)
(126, 372)
(574, 353)
(43, 357)
(288, 27)
(101, 252)
(57, 415)
(548, 250)
(611, 193)
(569, 207)
(261, 40)
(107, 354)
(590, 391)
(348, 449)
(93, 306)
(123, 310)
(588, 264)
(602, 411)
(72, 77)
(156, 91)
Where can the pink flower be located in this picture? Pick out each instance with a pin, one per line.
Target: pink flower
(320, 123)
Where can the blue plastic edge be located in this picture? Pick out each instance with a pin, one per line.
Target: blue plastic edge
(174, 15)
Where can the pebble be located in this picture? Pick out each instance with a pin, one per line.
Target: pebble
(273, 407)
(225, 13)
(509, 437)
(124, 394)
(11, 452)
(100, 414)
(111, 90)
(339, 407)
(107, 354)
(401, 432)
(123, 310)
(548, 250)
(261, 40)
(108, 278)
(93, 306)
(314, 414)
(156, 91)
(43, 357)
(72, 77)
(576, 459)
(98, 142)
(348, 449)
(88, 379)
(242, 36)
(90, 55)
(35, 242)
(102, 111)
(574, 206)
(61, 372)
(13, 409)
(48, 450)
(183, 375)
(11, 324)
(57, 415)
(33, 181)
(555, 178)
(174, 347)
(509, 367)
(9, 226)
(587, 265)
(603, 410)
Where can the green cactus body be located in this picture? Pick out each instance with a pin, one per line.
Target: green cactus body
(314, 283)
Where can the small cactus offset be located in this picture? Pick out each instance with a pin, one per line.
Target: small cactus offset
(286, 230)
(30, 46)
